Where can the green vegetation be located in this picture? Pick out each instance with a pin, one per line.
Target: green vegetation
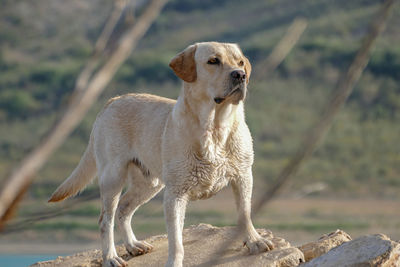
(65, 226)
(360, 156)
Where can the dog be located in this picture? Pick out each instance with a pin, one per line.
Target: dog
(193, 146)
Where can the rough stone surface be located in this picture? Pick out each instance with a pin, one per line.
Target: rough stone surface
(200, 243)
(324, 244)
(370, 250)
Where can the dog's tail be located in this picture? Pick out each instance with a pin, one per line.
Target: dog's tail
(80, 177)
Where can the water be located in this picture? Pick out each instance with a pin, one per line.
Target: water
(15, 260)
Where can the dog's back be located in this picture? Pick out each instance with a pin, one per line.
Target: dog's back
(126, 130)
(131, 127)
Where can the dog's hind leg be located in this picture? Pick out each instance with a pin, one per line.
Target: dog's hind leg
(142, 188)
(111, 183)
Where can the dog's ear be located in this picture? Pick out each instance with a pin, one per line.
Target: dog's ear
(247, 68)
(184, 64)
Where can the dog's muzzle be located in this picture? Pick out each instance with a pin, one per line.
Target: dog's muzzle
(237, 91)
(237, 88)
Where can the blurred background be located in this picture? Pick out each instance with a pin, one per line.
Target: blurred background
(351, 182)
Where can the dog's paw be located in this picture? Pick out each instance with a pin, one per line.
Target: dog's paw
(115, 262)
(258, 245)
(139, 248)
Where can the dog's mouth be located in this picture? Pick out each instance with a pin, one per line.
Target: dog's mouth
(238, 93)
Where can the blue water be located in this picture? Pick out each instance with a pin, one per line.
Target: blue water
(23, 260)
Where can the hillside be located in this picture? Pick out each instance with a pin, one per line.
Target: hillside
(45, 43)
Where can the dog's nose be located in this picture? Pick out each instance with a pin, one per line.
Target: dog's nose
(238, 75)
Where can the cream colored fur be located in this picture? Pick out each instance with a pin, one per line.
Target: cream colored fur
(193, 146)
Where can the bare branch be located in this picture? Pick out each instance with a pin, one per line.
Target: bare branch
(78, 107)
(282, 49)
(27, 223)
(86, 73)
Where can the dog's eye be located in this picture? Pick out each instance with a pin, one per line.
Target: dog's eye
(241, 63)
(213, 61)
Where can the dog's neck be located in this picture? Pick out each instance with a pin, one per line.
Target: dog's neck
(203, 119)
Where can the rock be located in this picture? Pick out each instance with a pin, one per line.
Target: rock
(324, 244)
(201, 242)
(370, 250)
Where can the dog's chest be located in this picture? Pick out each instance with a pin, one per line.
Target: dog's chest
(208, 176)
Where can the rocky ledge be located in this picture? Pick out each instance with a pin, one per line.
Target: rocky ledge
(204, 242)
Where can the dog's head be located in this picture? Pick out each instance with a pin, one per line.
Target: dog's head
(217, 71)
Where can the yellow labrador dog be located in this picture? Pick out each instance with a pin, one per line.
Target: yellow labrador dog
(197, 144)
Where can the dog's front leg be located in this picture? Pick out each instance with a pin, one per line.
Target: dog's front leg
(242, 189)
(174, 210)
